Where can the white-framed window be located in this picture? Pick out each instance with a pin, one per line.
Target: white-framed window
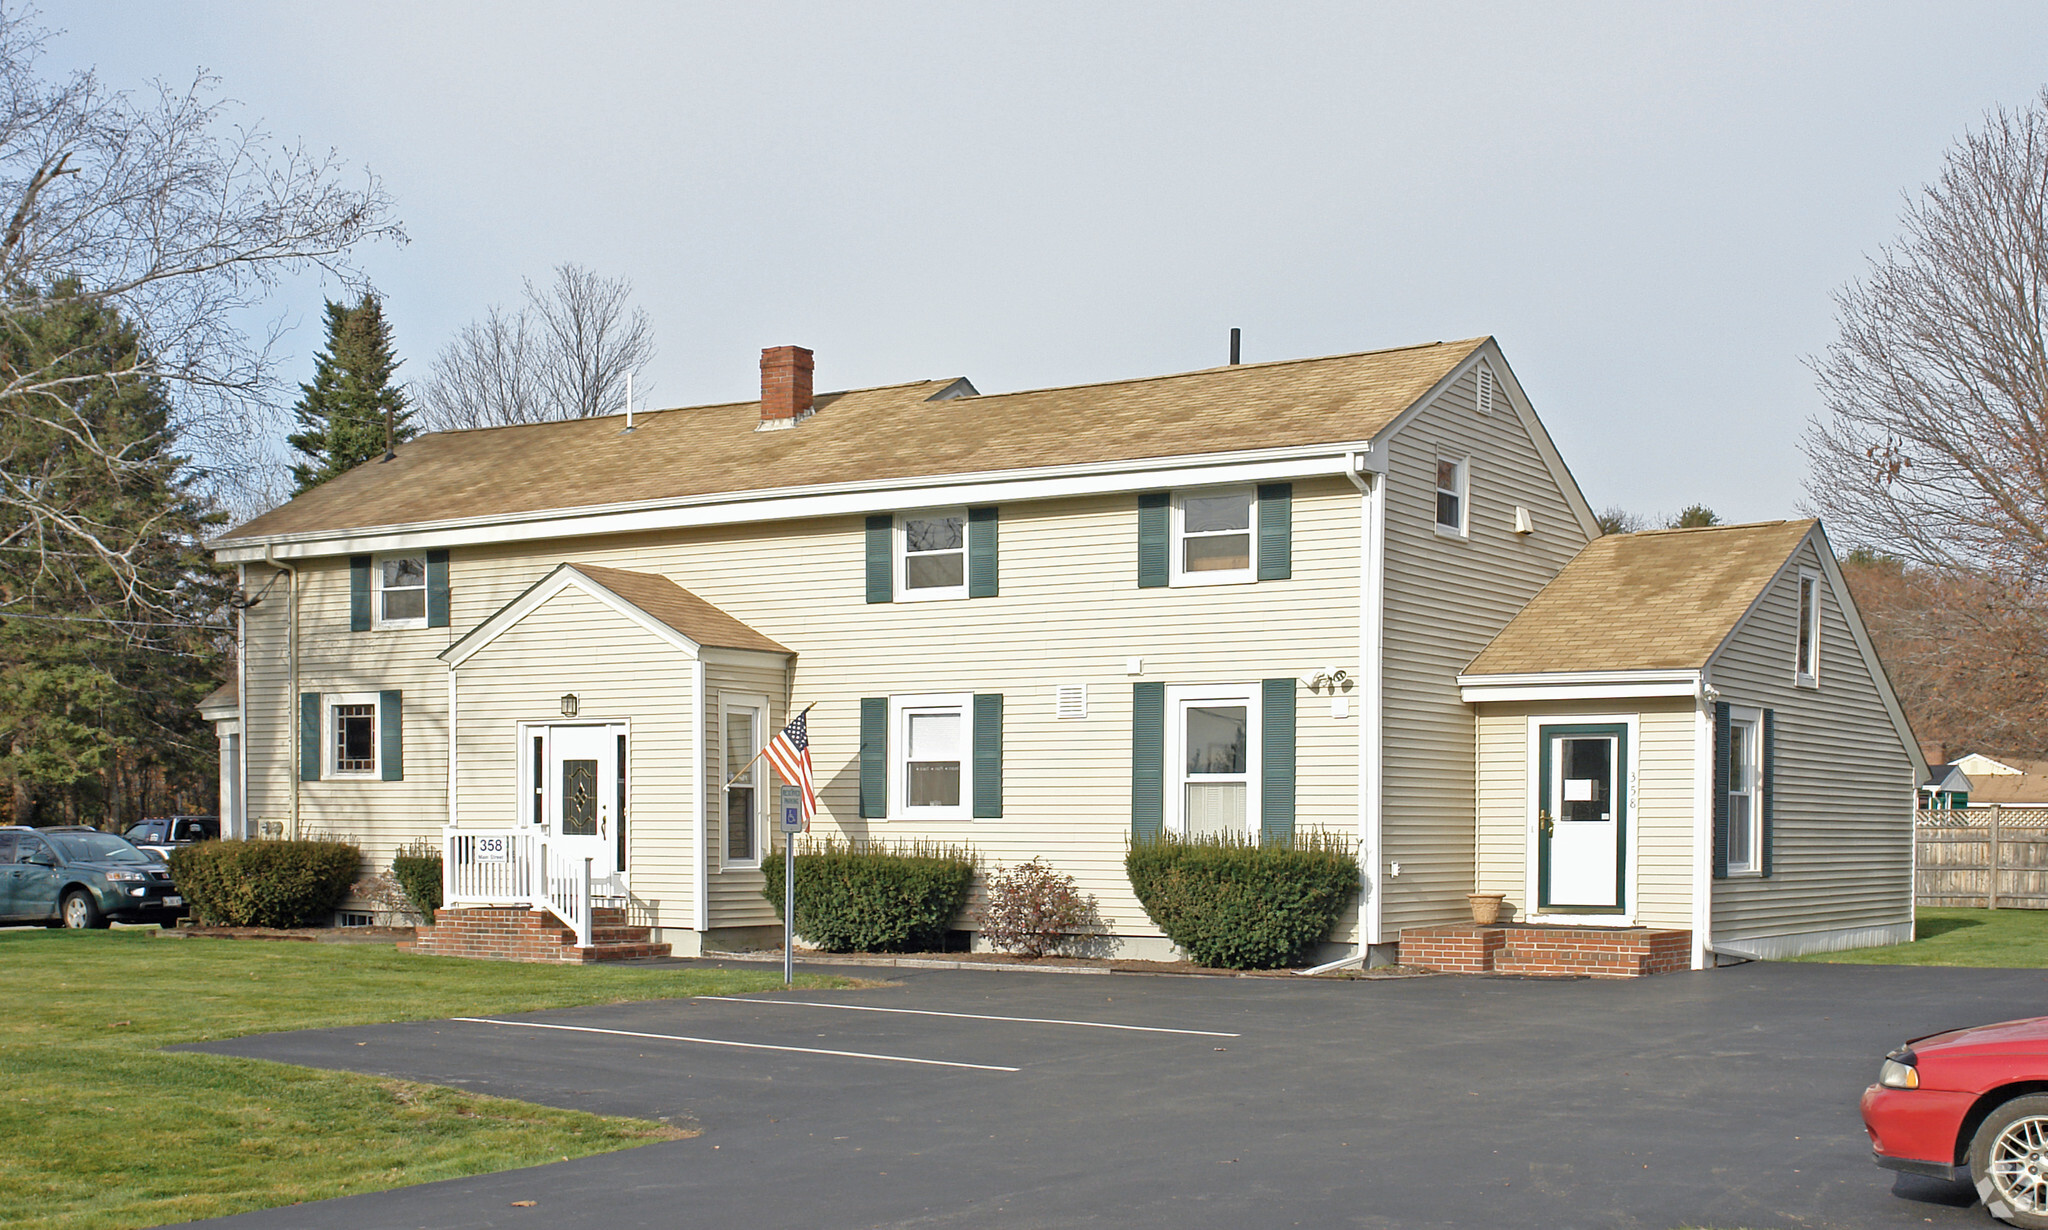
(1483, 388)
(350, 735)
(1453, 489)
(1745, 796)
(931, 554)
(398, 597)
(1212, 759)
(931, 770)
(743, 731)
(1806, 665)
(1214, 532)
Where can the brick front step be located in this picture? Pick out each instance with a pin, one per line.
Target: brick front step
(518, 934)
(1596, 952)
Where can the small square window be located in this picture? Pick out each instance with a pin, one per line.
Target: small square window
(401, 597)
(931, 554)
(1212, 539)
(1452, 477)
(352, 736)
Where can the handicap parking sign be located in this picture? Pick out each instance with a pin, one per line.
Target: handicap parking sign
(792, 810)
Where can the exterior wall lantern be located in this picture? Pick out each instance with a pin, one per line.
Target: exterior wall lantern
(569, 705)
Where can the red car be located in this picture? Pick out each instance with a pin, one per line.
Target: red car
(1970, 1102)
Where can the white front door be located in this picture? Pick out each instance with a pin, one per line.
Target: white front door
(1582, 818)
(580, 795)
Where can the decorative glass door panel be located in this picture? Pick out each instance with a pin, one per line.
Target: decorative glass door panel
(580, 796)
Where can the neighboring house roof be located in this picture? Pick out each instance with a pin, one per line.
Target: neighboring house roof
(1658, 600)
(1977, 763)
(868, 435)
(656, 601)
(1946, 779)
(2029, 787)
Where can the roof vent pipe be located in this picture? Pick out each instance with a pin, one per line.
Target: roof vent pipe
(785, 387)
(1234, 335)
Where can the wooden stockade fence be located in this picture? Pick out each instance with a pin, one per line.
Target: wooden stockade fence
(1958, 851)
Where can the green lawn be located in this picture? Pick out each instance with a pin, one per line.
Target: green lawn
(1999, 939)
(103, 1130)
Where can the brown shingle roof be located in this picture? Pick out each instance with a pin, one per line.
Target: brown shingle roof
(680, 609)
(867, 435)
(1662, 600)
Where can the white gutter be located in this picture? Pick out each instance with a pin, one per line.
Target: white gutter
(1579, 685)
(699, 787)
(833, 499)
(1368, 474)
(291, 640)
(242, 707)
(1703, 826)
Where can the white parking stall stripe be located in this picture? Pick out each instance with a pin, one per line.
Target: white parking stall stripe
(973, 1016)
(751, 1046)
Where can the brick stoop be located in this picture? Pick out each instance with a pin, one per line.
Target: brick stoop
(515, 933)
(1593, 952)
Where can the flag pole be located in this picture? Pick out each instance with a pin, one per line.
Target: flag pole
(763, 752)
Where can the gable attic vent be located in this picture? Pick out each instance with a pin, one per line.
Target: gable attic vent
(1485, 397)
(785, 387)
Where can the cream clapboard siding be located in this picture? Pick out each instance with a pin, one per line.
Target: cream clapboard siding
(1070, 612)
(1663, 841)
(1844, 814)
(620, 671)
(378, 816)
(735, 890)
(1446, 597)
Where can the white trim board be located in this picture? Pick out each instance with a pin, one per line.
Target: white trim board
(841, 499)
(1580, 685)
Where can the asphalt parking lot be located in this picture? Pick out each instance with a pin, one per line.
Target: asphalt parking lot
(1718, 1099)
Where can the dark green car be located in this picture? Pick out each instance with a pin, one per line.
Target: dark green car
(81, 878)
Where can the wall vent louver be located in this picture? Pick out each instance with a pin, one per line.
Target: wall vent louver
(1070, 702)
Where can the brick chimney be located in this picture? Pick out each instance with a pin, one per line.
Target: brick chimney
(785, 387)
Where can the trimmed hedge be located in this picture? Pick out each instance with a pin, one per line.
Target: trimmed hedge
(265, 883)
(417, 868)
(868, 897)
(1234, 903)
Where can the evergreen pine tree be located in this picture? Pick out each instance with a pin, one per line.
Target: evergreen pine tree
(96, 691)
(341, 413)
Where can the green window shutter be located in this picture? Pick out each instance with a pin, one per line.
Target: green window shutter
(1153, 538)
(437, 589)
(1148, 760)
(1769, 785)
(309, 736)
(390, 737)
(1276, 761)
(1276, 531)
(874, 757)
(988, 755)
(881, 560)
(1720, 790)
(358, 593)
(981, 553)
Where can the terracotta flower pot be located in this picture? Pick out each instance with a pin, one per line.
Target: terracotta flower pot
(1485, 907)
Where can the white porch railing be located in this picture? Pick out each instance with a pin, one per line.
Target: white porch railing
(516, 867)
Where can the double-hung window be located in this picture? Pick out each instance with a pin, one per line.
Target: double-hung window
(400, 600)
(1453, 482)
(1806, 671)
(1745, 805)
(744, 721)
(934, 768)
(1213, 760)
(351, 735)
(931, 554)
(1213, 532)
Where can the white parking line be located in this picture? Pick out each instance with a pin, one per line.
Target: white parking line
(973, 1016)
(751, 1046)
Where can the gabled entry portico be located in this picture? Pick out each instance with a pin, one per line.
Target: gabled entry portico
(581, 750)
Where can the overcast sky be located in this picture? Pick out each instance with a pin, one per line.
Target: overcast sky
(1649, 205)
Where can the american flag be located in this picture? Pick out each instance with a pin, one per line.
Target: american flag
(790, 753)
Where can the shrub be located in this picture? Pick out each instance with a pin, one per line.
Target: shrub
(1234, 903)
(265, 883)
(417, 868)
(868, 897)
(1034, 910)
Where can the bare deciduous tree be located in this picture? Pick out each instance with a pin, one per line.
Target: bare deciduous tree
(568, 353)
(1935, 442)
(154, 206)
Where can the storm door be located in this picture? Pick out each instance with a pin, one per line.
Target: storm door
(1582, 819)
(580, 795)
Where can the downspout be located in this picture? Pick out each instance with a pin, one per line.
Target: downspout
(241, 816)
(1367, 472)
(1703, 825)
(291, 640)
